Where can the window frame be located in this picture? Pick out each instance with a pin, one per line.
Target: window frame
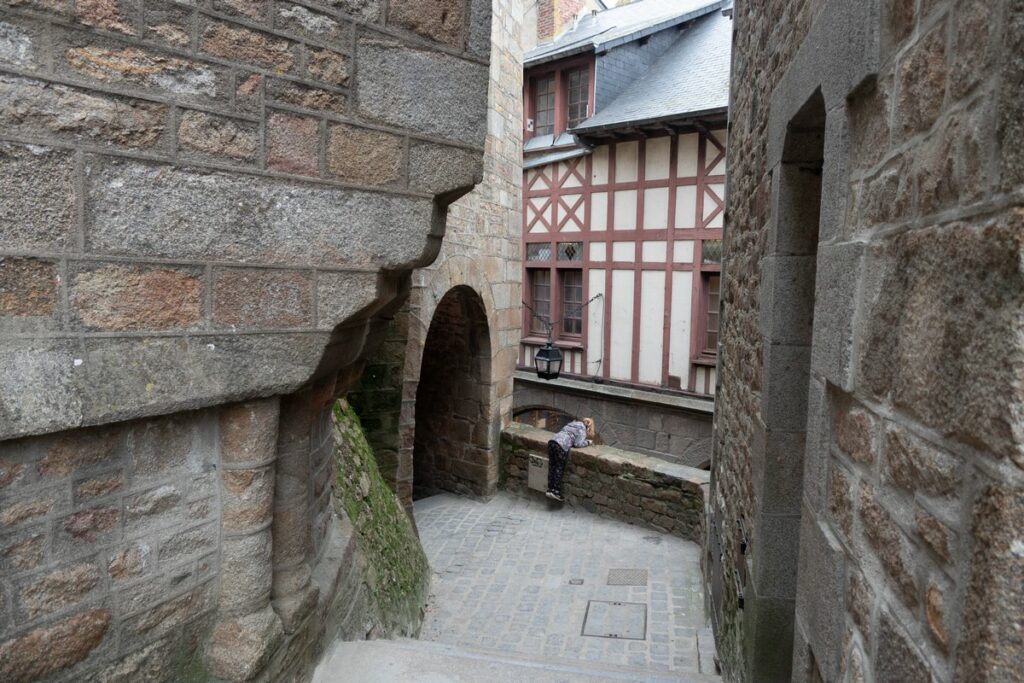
(535, 324)
(562, 317)
(560, 71)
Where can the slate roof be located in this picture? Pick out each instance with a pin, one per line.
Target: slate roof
(605, 30)
(690, 78)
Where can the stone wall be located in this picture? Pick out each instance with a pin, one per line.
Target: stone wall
(481, 257)
(208, 212)
(629, 419)
(867, 485)
(612, 482)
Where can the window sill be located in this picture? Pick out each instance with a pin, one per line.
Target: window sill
(704, 359)
(560, 343)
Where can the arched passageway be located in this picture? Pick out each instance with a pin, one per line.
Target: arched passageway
(453, 449)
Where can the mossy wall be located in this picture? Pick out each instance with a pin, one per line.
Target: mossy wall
(396, 571)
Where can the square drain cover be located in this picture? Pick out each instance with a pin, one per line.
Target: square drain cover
(625, 620)
(627, 577)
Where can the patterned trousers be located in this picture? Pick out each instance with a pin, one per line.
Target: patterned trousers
(556, 466)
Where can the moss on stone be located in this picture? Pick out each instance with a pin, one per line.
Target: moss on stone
(397, 572)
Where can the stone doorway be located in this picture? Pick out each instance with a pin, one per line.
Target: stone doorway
(453, 448)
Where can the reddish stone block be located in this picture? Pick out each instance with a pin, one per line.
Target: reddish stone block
(59, 589)
(248, 431)
(129, 562)
(65, 644)
(28, 287)
(247, 498)
(306, 97)
(935, 534)
(244, 45)
(109, 15)
(249, 298)
(80, 448)
(854, 430)
(293, 144)
(364, 156)
(122, 297)
(441, 20)
(922, 82)
(328, 66)
(98, 486)
(24, 550)
(91, 524)
(211, 136)
(886, 539)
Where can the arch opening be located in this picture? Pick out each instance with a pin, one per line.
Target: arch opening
(453, 446)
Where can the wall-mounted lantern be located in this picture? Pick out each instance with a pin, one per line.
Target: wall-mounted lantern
(548, 361)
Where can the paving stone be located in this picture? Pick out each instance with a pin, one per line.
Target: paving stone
(507, 564)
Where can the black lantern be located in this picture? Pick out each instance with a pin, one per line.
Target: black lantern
(548, 361)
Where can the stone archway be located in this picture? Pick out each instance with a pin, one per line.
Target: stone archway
(452, 446)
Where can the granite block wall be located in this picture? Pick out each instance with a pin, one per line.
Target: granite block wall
(866, 484)
(208, 212)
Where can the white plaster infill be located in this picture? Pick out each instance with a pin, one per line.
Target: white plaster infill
(620, 393)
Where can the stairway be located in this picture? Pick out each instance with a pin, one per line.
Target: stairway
(417, 661)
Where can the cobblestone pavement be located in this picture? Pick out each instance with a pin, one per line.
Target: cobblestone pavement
(506, 578)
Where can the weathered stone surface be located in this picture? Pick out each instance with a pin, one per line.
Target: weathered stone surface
(956, 377)
(441, 21)
(934, 533)
(154, 662)
(859, 600)
(17, 46)
(23, 550)
(152, 70)
(143, 507)
(163, 618)
(187, 543)
(59, 589)
(364, 156)
(991, 643)
(299, 19)
(111, 15)
(149, 210)
(216, 137)
(250, 9)
(98, 486)
(922, 82)
(293, 144)
(306, 97)
(159, 445)
(340, 295)
(248, 432)
(245, 45)
(65, 643)
(247, 498)
(427, 91)
(887, 540)
(897, 660)
(28, 287)
(168, 23)
(438, 169)
(12, 515)
(368, 10)
(241, 647)
(328, 66)
(840, 500)
(124, 297)
(38, 109)
(250, 298)
(70, 452)
(245, 576)
(37, 197)
(92, 524)
(914, 465)
(853, 430)
(130, 562)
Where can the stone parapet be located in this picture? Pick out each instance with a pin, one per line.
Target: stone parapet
(635, 488)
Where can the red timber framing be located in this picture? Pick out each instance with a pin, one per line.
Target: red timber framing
(557, 207)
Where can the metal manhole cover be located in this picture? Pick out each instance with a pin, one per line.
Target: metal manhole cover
(622, 620)
(627, 577)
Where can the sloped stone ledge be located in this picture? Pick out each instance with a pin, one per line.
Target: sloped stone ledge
(635, 488)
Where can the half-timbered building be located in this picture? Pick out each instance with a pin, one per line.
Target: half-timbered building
(623, 201)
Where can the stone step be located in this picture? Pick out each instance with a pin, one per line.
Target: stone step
(419, 661)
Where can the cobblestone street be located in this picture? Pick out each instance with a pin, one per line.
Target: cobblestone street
(516, 575)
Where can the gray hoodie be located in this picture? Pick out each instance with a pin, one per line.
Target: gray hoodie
(572, 435)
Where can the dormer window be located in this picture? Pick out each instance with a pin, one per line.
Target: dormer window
(577, 97)
(558, 98)
(544, 112)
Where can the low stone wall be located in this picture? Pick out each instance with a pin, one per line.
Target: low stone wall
(669, 427)
(635, 488)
